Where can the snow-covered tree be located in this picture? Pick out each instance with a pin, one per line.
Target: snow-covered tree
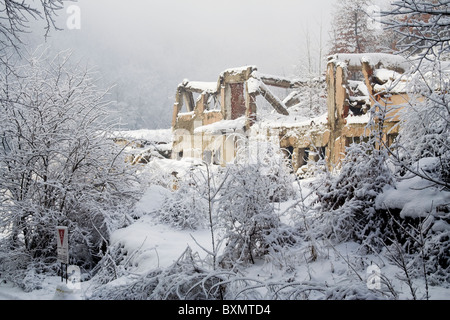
(425, 121)
(309, 100)
(423, 27)
(347, 200)
(247, 217)
(356, 28)
(15, 17)
(187, 206)
(58, 163)
(422, 152)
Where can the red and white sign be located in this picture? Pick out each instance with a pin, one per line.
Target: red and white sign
(62, 239)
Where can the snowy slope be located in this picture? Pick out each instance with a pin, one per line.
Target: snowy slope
(341, 269)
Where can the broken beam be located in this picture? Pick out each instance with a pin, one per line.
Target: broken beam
(276, 103)
(282, 82)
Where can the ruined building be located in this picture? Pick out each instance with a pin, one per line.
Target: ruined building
(213, 120)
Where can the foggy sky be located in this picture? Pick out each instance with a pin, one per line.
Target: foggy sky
(220, 34)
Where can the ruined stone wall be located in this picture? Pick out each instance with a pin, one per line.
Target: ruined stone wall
(237, 89)
(343, 127)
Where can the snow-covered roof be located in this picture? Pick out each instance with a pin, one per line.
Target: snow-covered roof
(360, 119)
(238, 70)
(222, 126)
(152, 135)
(291, 121)
(253, 85)
(385, 75)
(201, 86)
(376, 60)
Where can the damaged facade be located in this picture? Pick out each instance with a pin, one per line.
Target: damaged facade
(221, 117)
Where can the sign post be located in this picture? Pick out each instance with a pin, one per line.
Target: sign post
(62, 250)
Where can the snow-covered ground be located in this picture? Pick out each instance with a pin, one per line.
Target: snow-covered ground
(156, 245)
(157, 135)
(153, 245)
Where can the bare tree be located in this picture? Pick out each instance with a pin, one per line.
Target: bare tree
(422, 149)
(58, 164)
(15, 17)
(425, 30)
